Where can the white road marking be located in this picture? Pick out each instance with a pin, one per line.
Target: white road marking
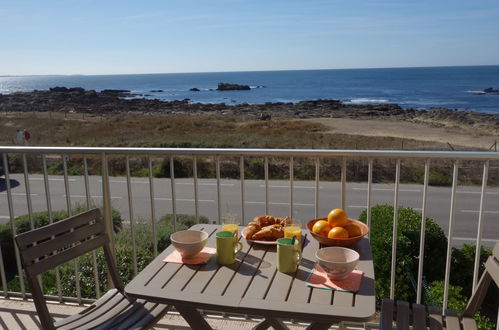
(84, 196)
(52, 179)
(4, 217)
(298, 187)
(476, 211)
(17, 194)
(124, 181)
(389, 189)
(184, 200)
(474, 239)
(274, 203)
(179, 183)
(205, 184)
(478, 192)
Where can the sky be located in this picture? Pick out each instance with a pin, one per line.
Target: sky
(163, 36)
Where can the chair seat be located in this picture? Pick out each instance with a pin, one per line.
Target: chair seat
(419, 317)
(115, 311)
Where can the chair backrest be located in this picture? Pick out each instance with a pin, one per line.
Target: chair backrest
(491, 273)
(49, 246)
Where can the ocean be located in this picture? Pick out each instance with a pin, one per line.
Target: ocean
(421, 88)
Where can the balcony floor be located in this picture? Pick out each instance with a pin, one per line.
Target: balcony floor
(21, 314)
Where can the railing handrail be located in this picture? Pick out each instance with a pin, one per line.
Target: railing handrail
(455, 155)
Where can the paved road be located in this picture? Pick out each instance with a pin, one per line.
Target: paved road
(465, 221)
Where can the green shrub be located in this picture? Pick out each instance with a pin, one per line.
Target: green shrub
(124, 255)
(182, 168)
(408, 230)
(40, 219)
(462, 266)
(456, 301)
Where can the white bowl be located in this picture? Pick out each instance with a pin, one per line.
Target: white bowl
(337, 262)
(189, 242)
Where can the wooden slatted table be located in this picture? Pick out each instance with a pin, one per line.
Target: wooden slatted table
(252, 285)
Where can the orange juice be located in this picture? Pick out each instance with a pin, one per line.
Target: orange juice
(293, 230)
(231, 227)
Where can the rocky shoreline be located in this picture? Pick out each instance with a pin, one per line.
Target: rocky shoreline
(79, 100)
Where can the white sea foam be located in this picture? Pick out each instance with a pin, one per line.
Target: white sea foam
(475, 92)
(363, 100)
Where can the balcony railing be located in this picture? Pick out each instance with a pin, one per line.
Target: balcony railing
(216, 196)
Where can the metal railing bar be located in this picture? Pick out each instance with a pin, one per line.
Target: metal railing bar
(51, 220)
(131, 215)
(89, 205)
(394, 233)
(423, 231)
(241, 175)
(195, 178)
(13, 224)
(2, 275)
(266, 173)
(153, 210)
(449, 235)
(454, 155)
(344, 183)
(172, 185)
(291, 182)
(28, 192)
(27, 188)
(480, 224)
(106, 201)
(70, 212)
(369, 191)
(219, 191)
(2, 267)
(317, 184)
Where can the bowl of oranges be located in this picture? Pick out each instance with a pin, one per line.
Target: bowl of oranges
(337, 229)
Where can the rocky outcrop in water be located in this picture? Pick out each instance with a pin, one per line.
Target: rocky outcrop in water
(61, 99)
(490, 90)
(232, 87)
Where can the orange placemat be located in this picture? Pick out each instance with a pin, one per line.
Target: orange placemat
(318, 279)
(201, 258)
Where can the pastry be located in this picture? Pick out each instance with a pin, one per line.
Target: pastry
(271, 232)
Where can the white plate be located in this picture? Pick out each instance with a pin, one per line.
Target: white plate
(258, 241)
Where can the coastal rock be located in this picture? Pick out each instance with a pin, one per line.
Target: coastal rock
(232, 87)
(490, 90)
(78, 100)
(194, 89)
(156, 91)
(115, 91)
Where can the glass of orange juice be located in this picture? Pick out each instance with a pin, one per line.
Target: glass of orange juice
(231, 223)
(293, 229)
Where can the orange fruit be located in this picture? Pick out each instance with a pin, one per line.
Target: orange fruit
(353, 229)
(337, 218)
(321, 227)
(338, 232)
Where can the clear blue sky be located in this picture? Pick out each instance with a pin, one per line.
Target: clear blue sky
(160, 36)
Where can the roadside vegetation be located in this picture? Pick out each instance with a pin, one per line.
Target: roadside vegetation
(196, 131)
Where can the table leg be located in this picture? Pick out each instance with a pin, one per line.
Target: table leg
(270, 322)
(319, 326)
(192, 316)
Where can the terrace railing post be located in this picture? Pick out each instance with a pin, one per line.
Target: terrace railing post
(106, 206)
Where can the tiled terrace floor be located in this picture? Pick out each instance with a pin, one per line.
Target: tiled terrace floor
(21, 314)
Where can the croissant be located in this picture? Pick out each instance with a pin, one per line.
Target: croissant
(284, 221)
(265, 220)
(251, 229)
(271, 232)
